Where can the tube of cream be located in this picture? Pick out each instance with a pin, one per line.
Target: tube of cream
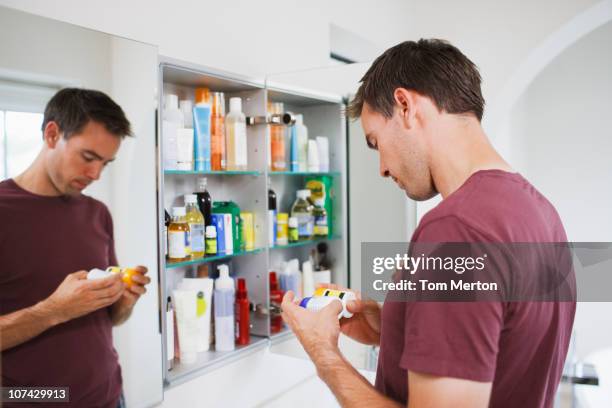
(205, 286)
(201, 121)
(185, 302)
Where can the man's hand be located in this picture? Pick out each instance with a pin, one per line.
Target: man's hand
(123, 308)
(77, 296)
(317, 331)
(364, 326)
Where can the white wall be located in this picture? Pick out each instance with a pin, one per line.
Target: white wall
(561, 133)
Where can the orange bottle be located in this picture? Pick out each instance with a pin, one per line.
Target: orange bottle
(217, 132)
(277, 140)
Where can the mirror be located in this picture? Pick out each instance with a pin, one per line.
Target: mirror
(39, 56)
(362, 186)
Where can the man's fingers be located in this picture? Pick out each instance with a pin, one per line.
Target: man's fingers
(140, 279)
(333, 309)
(354, 306)
(80, 275)
(137, 289)
(141, 269)
(104, 283)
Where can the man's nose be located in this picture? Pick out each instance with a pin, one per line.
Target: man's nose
(383, 169)
(95, 170)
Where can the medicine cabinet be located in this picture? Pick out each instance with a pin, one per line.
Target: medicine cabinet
(323, 115)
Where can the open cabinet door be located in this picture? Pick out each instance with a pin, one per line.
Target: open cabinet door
(368, 208)
(44, 54)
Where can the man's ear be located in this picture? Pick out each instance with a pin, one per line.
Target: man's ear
(52, 134)
(405, 102)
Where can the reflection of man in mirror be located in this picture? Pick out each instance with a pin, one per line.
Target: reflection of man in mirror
(421, 107)
(55, 324)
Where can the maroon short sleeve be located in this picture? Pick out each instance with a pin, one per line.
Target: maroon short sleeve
(452, 339)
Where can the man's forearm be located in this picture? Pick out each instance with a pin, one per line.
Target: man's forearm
(25, 324)
(350, 388)
(120, 312)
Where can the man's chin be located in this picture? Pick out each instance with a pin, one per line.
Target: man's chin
(421, 196)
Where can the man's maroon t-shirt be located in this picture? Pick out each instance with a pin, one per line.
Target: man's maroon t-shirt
(518, 346)
(43, 239)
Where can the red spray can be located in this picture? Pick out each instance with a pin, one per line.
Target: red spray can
(243, 325)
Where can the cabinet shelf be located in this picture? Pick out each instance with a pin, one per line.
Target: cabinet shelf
(212, 173)
(209, 359)
(304, 173)
(305, 243)
(198, 261)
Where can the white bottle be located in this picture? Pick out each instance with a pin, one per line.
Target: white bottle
(235, 137)
(308, 286)
(313, 156)
(302, 141)
(170, 332)
(172, 121)
(323, 146)
(186, 107)
(224, 310)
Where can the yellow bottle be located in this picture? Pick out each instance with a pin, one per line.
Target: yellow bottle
(178, 236)
(195, 219)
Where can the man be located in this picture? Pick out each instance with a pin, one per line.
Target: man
(421, 105)
(55, 325)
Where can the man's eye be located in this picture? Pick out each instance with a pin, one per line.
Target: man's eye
(88, 159)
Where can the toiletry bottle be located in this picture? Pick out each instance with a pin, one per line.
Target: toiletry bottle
(202, 125)
(282, 231)
(248, 231)
(224, 310)
(293, 149)
(170, 332)
(293, 230)
(195, 219)
(186, 107)
(302, 143)
(235, 137)
(323, 147)
(243, 325)
(172, 121)
(302, 210)
(313, 157)
(276, 298)
(271, 217)
(211, 240)
(277, 140)
(178, 236)
(308, 286)
(320, 218)
(217, 132)
(167, 221)
(204, 201)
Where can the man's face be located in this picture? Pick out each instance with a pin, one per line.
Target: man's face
(402, 152)
(75, 163)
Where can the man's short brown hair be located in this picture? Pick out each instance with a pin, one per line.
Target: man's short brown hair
(430, 67)
(73, 108)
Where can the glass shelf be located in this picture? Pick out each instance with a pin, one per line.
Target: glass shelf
(209, 359)
(197, 261)
(213, 173)
(305, 243)
(303, 173)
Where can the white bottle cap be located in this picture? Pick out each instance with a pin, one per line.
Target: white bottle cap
(235, 104)
(319, 202)
(202, 183)
(303, 194)
(313, 156)
(171, 101)
(224, 281)
(191, 199)
(293, 222)
(211, 231)
(178, 211)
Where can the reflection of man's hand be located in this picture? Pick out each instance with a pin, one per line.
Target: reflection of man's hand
(317, 331)
(136, 289)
